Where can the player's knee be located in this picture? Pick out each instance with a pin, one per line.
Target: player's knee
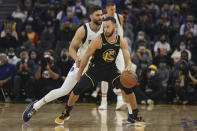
(118, 84)
(82, 85)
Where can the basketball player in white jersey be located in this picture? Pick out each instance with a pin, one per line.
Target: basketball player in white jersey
(111, 9)
(78, 47)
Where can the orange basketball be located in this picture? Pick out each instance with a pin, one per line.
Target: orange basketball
(128, 79)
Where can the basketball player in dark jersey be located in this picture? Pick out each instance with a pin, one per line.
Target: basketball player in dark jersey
(104, 50)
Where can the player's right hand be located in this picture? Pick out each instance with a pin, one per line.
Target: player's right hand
(78, 61)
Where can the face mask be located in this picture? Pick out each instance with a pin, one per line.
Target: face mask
(162, 64)
(11, 55)
(163, 41)
(33, 56)
(64, 57)
(182, 47)
(28, 28)
(152, 73)
(140, 37)
(30, 19)
(143, 66)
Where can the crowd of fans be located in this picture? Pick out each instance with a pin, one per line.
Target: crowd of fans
(162, 38)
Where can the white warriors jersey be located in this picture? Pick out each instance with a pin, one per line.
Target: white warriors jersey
(89, 35)
(119, 27)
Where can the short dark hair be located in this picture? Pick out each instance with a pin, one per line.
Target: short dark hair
(94, 8)
(112, 19)
(110, 3)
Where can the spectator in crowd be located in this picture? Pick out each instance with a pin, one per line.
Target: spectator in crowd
(8, 41)
(142, 53)
(30, 34)
(6, 75)
(164, 72)
(11, 57)
(141, 36)
(79, 9)
(70, 16)
(189, 26)
(24, 78)
(20, 13)
(149, 90)
(47, 76)
(64, 63)
(66, 29)
(181, 76)
(161, 44)
(34, 57)
(176, 56)
(8, 31)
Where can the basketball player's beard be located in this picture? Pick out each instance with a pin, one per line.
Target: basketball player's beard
(110, 34)
(96, 22)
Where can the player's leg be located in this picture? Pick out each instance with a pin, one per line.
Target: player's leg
(52, 95)
(130, 98)
(104, 90)
(121, 66)
(85, 82)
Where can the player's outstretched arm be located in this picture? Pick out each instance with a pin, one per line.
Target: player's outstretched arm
(75, 43)
(94, 44)
(126, 54)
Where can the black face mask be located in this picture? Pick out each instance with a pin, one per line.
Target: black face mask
(64, 57)
(163, 41)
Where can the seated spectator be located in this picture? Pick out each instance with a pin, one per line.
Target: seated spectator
(6, 75)
(20, 13)
(141, 36)
(149, 90)
(189, 26)
(181, 76)
(162, 43)
(79, 9)
(24, 78)
(65, 29)
(64, 63)
(176, 56)
(142, 53)
(191, 91)
(9, 27)
(8, 31)
(163, 53)
(11, 57)
(46, 76)
(72, 18)
(34, 57)
(164, 71)
(30, 34)
(8, 41)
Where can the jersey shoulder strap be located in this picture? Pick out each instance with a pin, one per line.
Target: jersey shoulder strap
(103, 38)
(86, 33)
(118, 18)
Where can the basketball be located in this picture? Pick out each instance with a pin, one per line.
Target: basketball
(128, 79)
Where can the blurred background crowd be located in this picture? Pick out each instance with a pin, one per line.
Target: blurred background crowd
(162, 38)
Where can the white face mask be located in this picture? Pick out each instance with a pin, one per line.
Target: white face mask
(152, 73)
(182, 47)
(139, 37)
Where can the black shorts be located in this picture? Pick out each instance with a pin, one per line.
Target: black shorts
(95, 75)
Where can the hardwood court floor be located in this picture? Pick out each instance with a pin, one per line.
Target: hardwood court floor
(86, 117)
